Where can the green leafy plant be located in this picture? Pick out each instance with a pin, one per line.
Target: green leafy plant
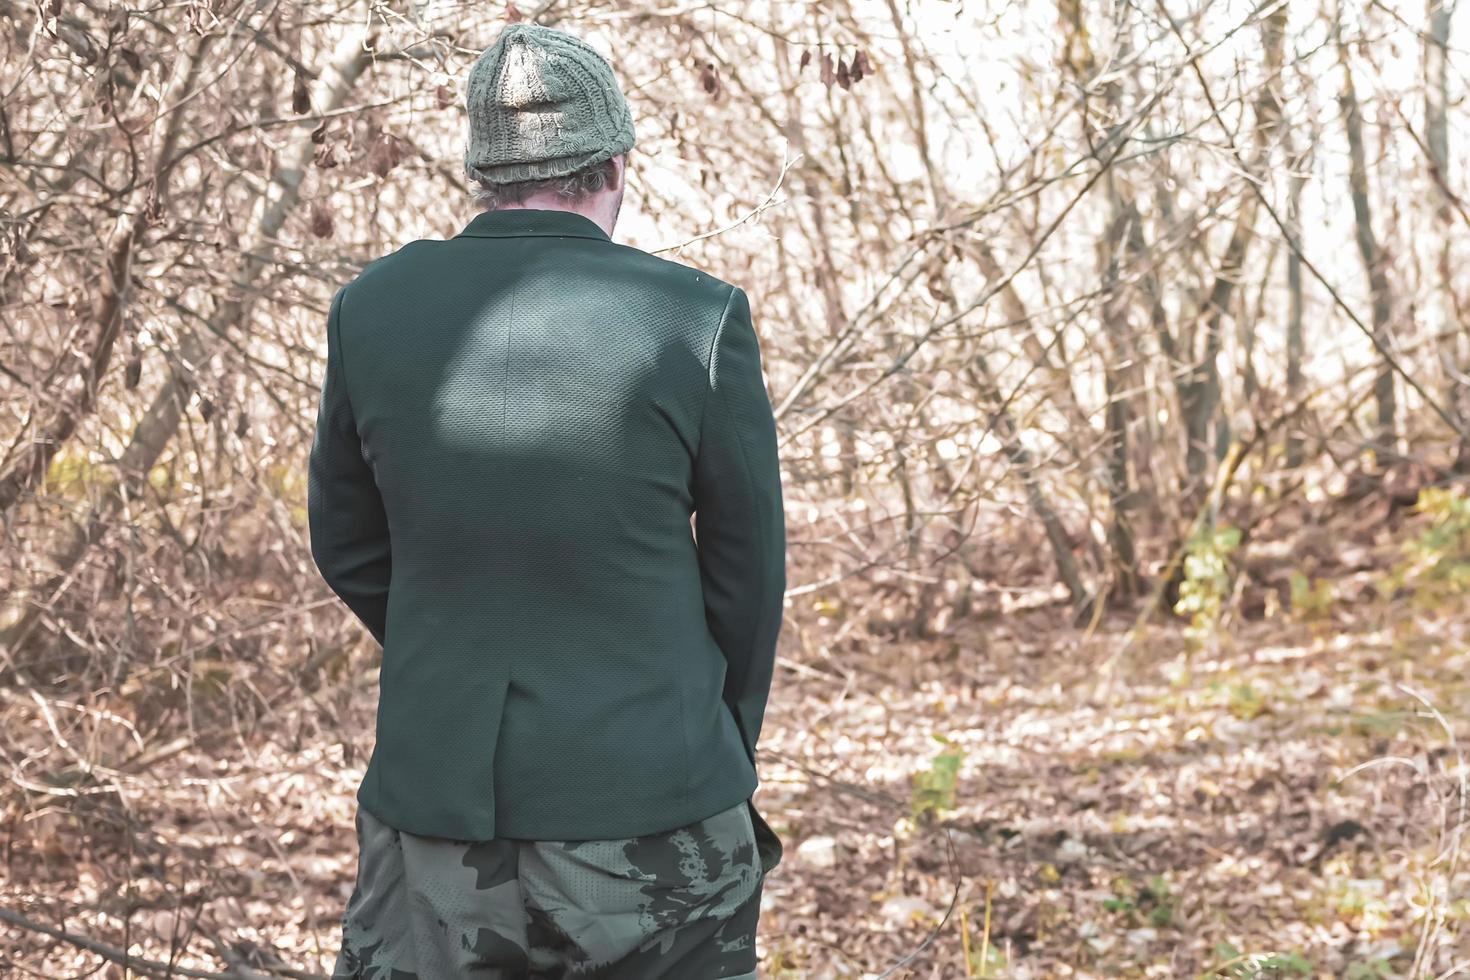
(1311, 599)
(1162, 912)
(1151, 903)
(1258, 966)
(1246, 701)
(1436, 563)
(934, 788)
(1379, 724)
(1206, 583)
(988, 962)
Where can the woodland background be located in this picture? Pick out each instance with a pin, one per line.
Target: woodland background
(1121, 360)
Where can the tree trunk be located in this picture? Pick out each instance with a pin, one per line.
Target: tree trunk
(1294, 345)
(1437, 141)
(1008, 434)
(1117, 370)
(1374, 261)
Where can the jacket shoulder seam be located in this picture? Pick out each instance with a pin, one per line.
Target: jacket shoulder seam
(709, 360)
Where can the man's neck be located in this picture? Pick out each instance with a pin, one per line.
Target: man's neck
(602, 212)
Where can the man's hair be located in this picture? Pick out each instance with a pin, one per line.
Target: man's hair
(574, 186)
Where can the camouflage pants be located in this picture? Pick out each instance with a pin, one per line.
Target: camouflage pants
(677, 905)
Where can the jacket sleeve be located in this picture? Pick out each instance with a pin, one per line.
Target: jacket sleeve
(348, 526)
(739, 522)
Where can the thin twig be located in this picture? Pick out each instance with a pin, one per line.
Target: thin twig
(151, 967)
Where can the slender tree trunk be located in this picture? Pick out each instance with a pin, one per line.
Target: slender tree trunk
(1117, 369)
(1437, 139)
(1374, 261)
(1200, 391)
(1200, 388)
(1294, 345)
(1008, 433)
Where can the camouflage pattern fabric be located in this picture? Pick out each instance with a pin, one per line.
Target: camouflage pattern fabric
(677, 905)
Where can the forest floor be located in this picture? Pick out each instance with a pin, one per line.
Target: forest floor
(1274, 810)
(1016, 799)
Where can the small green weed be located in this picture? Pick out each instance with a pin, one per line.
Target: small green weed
(1258, 966)
(1436, 564)
(1311, 599)
(1148, 904)
(934, 788)
(1246, 701)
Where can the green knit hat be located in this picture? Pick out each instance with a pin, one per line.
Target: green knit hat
(542, 104)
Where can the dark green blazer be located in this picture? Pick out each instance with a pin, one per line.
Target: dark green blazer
(515, 427)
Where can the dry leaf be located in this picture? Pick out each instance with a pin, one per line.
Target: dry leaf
(387, 152)
(321, 220)
(709, 79)
(300, 98)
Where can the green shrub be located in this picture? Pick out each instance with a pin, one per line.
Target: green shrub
(1207, 580)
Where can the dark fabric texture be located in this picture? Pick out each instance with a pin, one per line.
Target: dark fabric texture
(515, 427)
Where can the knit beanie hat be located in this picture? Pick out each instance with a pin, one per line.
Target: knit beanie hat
(542, 104)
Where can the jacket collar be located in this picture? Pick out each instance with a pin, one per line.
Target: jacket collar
(518, 222)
